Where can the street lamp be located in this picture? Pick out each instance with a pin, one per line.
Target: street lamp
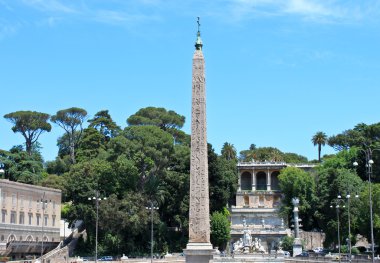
(337, 216)
(151, 208)
(97, 198)
(369, 163)
(348, 196)
(44, 202)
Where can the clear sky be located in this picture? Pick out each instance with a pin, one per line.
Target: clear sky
(277, 71)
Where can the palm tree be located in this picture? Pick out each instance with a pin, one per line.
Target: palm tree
(228, 151)
(320, 138)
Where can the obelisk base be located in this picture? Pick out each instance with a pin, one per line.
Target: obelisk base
(199, 253)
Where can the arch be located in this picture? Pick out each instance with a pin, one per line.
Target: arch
(246, 181)
(29, 238)
(46, 239)
(274, 180)
(11, 238)
(261, 181)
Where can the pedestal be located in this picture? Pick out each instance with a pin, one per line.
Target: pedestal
(199, 253)
(297, 247)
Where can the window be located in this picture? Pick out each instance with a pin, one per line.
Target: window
(4, 197)
(14, 200)
(38, 219)
(21, 218)
(3, 216)
(13, 217)
(45, 220)
(30, 202)
(30, 218)
(53, 220)
(22, 201)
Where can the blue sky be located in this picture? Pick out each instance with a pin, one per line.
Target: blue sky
(277, 71)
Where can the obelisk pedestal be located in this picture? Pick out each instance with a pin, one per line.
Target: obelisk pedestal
(199, 248)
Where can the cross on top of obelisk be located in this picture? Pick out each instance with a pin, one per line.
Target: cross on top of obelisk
(198, 43)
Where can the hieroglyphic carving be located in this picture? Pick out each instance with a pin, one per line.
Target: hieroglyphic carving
(199, 219)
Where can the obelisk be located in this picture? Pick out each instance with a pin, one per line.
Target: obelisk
(199, 248)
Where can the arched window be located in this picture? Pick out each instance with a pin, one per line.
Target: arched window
(274, 180)
(29, 238)
(246, 181)
(261, 181)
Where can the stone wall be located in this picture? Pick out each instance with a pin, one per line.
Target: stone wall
(312, 239)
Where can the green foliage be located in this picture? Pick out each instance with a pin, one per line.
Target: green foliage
(287, 243)
(30, 124)
(220, 230)
(92, 144)
(222, 180)
(229, 151)
(362, 137)
(71, 120)
(270, 154)
(334, 176)
(150, 148)
(159, 117)
(59, 166)
(294, 158)
(21, 166)
(320, 139)
(364, 215)
(103, 122)
(295, 182)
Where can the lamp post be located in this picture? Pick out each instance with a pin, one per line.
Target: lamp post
(44, 203)
(348, 196)
(151, 208)
(369, 162)
(97, 198)
(337, 216)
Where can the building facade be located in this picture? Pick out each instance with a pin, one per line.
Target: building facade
(30, 218)
(258, 199)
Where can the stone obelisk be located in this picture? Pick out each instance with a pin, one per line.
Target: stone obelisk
(199, 248)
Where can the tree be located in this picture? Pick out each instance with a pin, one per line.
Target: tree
(22, 167)
(71, 120)
(103, 122)
(320, 139)
(158, 117)
(287, 243)
(295, 182)
(150, 148)
(222, 180)
(336, 175)
(364, 137)
(30, 124)
(229, 151)
(92, 143)
(220, 229)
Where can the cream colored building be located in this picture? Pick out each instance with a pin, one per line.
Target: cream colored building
(258, 199)
(30, 218)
